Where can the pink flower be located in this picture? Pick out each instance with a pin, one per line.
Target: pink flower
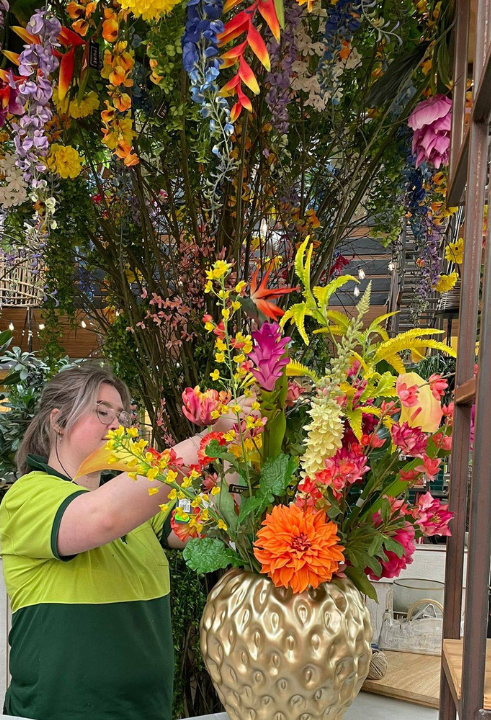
(429, 467)
(442, 442)
(310, 493)
(409, 476)
(269, 355)
(393, 565)
(294, 392)
(407, 395)
(432, 516)
(437, 385)
(199, 406)
(431, 122)
(345, 468)
(411, 441)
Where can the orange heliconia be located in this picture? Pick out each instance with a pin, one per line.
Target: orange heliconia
(298, 548)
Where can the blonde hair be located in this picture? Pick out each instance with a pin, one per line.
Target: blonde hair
(73, 391)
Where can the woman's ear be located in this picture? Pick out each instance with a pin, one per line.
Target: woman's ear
(54, 422)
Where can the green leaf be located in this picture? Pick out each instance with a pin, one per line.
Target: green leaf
(209, 554)
(374, 565)
(217, 451)
(398, 72)
(393, 546)
(255, 504)
(376, 544)
(226, 506)
(361, 582)
(280, 12)
(355, 418)
(276, 475)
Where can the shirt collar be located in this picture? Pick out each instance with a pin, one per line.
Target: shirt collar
(37, 462)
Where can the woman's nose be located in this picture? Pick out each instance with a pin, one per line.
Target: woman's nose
(114, 424)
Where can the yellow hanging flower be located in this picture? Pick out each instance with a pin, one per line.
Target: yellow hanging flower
(325, 434)
(75, 109)
(64, 161)
(454, 252)
(446, 282)
(149, 9)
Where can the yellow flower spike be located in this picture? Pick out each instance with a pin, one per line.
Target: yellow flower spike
(132, 432)
(196, 502)
(255, 405)
(171, 476)
(184, 516)
(226, 313)
(248, 393)
(236, 409)
(240, 286)
(205, 515)
(165, 507)
(153, 491)
(132, 475)
(148, 457)
(209, 326)
(222, 525)
(239, 359)
(194, 474)
(210, 277)
(215, 414)
(236, 305)
(173, 494)
(215, 490)
(199, 527)
(220, 357)
(109, 445)
(215, 375)
(187, 482)
(209, 287)
(181, 495)
(205, 497)
(220, 345)
(229, 436)
(247, 348)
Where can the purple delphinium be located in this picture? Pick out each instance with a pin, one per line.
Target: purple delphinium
(268, 355)
(282, 56)
(36, 63)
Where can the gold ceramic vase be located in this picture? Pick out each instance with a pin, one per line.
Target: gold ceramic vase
(273, 655)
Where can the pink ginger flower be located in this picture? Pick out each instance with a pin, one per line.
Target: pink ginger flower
(431, 123)
(411, 441)
(393, 566)
(407, 395)
(269, 355)
(429, 467)
(294, 392)
(199, 406)
(437, 385)
(432, 516)
(409, 476)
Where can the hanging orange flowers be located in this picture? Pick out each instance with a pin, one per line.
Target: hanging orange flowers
(298, 548)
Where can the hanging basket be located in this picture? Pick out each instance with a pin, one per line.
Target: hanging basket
(20, 285)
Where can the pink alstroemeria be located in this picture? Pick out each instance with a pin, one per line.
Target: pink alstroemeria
(199, 406)
(432, 516)
(408, 395)
(437, 385)
(393, 566)
(409, 476)
(429, 467)
(431, 123)
(294, 392)
(442, 442)
(411, 441)
(269, 355)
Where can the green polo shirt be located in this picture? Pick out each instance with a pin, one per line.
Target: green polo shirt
(91, 634)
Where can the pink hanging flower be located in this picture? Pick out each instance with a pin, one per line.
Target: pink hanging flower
(393, 566)
(411, 441)
(269, 355)
(431, 123)
(442, 442)
(429, 467)
(432, 516)
(408, 395)
(199, 406)
(437, 385)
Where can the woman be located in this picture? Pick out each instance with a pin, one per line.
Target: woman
(84, 566)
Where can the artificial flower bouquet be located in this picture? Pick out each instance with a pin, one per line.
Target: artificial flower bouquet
(338, 506)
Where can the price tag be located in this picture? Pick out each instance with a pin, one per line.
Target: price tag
(94, 55)
(185, 505)
(237, 488)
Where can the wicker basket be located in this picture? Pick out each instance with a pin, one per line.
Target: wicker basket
(20, 286)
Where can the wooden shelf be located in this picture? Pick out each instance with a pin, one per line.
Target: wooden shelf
(452, 663)
(465, 394)
(411, 677)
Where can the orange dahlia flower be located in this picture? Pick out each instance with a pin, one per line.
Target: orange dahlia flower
(298, 548)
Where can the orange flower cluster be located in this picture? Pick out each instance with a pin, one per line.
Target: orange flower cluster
(81, 13)
(298, 548)
(118, 66)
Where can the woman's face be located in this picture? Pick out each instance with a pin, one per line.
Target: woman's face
(89, 432)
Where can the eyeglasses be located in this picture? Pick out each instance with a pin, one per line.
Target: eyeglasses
(107, 415)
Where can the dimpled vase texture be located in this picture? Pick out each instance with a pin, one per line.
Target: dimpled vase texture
(273, 655)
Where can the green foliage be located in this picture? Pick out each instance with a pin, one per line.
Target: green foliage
(210, 554)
